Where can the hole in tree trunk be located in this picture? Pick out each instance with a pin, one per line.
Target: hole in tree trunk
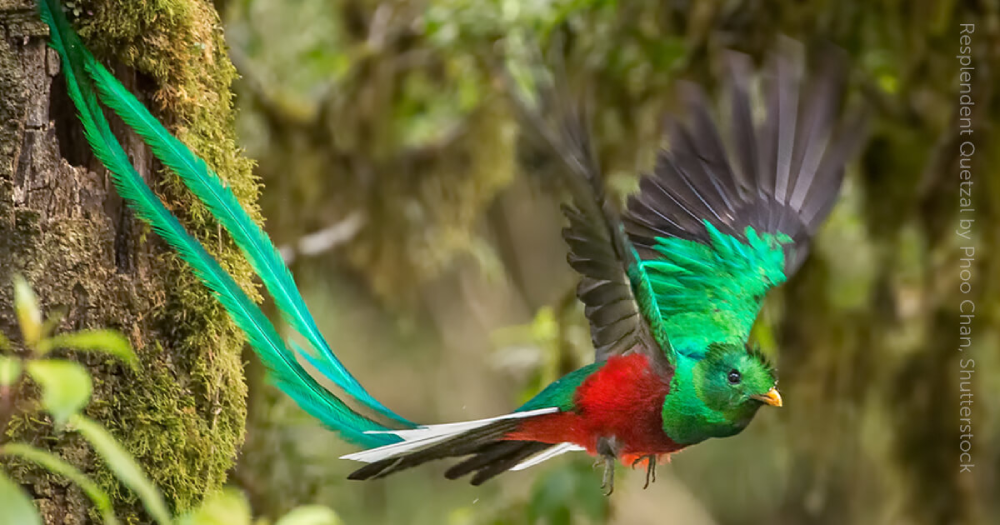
(69, 132)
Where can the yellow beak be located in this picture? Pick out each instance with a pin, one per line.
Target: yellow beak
(772, 397)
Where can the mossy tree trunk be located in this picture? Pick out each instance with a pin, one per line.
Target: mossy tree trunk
(63, 227)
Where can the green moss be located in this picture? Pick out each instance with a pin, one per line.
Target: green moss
(183, 416)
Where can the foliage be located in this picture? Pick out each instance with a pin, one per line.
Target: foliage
(65, 390)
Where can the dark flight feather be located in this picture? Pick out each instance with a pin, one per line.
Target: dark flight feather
(782, 176)
(599, 249)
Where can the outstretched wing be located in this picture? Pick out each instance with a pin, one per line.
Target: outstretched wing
(617, 323)
(613, 287)
(716, 231)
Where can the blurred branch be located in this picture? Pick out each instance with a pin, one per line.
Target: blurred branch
(324, 240)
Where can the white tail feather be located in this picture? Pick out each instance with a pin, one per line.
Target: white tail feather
(420, 437)
(548, 454)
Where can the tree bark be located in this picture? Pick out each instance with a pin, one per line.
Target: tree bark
(64, 228)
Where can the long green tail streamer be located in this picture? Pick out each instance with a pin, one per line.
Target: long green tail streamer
(284, 369)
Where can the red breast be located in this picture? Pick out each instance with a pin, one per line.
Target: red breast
(622, 399)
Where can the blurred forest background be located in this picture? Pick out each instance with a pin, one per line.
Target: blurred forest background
(424, 230)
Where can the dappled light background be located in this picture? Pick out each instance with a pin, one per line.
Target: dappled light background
(424, 233)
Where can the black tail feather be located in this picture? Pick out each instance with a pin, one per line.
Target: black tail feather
(508, 461)
(495, 459)
(491, 454)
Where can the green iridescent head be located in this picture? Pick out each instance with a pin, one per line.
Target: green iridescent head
(735, 381)
(718, 394)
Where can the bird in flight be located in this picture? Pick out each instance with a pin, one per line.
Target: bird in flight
(672, 284)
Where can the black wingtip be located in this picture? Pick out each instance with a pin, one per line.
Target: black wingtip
(779, 176)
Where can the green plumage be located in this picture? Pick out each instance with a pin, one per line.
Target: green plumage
(703, 404)
(711, 292)
(561, 393)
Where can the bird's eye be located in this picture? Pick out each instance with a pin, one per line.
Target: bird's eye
(734, 377)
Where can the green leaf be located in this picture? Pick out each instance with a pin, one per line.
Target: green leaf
(4, 343)
(56, 465)
(124, 466)
(17, 506)
(228, 507)
(66, 386)
(10, 370)
(108, 341)
(28, 314)
(310, 515)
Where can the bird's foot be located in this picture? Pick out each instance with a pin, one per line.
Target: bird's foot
(608, 450)
(608, 481)
(650, 468)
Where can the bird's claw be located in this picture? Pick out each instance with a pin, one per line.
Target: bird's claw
(608, 450)
(650, 471)
(608, 481)
(650, 468)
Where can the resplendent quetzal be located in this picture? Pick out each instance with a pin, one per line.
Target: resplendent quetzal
(671, 286)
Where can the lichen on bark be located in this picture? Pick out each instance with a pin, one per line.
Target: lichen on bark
(63, 227)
